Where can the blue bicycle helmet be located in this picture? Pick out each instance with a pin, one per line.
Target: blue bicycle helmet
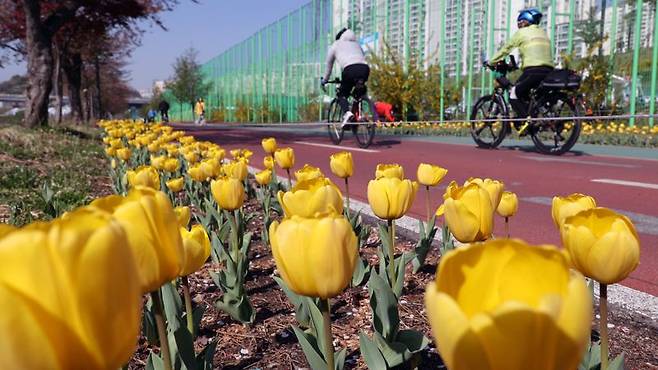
(532, 16)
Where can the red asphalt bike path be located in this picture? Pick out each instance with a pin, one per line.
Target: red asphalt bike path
(533, 177)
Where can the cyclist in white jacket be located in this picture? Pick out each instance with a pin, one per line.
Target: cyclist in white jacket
(347, 52)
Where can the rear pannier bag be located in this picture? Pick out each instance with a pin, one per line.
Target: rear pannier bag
(562, 79)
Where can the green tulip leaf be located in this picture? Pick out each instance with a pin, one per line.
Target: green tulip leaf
(617, 363)
(400, 267)
(317, 321)
(591, 359)
(154, 362)
(384, 306)
(185, 348)
(370, 353)
(238, 307)
(339, 359)
(173, 306)
(414, 340)
(384, 237)
(361, 272)
(395, 353)
(301, 312)
(197, 315)
(149, 329)
(310, 348)
(205, 357)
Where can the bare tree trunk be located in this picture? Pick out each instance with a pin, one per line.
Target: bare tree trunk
(604, 4)
(58, 85)
(39, 66)
(99, 101)
(72, 66)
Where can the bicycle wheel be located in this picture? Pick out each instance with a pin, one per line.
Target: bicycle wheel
(334, 119)
(489, 134)
(364, 130)
(556, 136)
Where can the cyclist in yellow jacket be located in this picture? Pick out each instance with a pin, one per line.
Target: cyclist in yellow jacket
(536, 57)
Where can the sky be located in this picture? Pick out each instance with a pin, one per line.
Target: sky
(211, 26)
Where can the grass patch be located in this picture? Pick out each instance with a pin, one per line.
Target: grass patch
(47, 171)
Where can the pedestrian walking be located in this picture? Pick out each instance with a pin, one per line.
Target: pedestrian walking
(200, 110)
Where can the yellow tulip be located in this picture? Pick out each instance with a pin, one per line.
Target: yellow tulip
(191, 157)
(430, 175)
(176, 185)
(490, 297)
(124, 153)
(228, 192)
(197, 173)
(144, 176)
(308, 172)
(152, 229)
(268, 162)
(390, 198)
(312, 198)
(269, 145)
(111, 152)
(285, 158)
(469, 213)
(564, 207)
(508, 205)
(341, 164)
(153, 147)
(196, 246)
(236, 169)
(5, 229)
(113, 163)
(602, 244)
(171, 165)
(389, 170)
(264, 177)
(242, 154)
(56, 283)
(495, 189)
(158, 162)
(315, 256)
(183, 216)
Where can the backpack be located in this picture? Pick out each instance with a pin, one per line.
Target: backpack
(562, 79)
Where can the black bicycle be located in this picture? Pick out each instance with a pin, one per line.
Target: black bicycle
(555, 104)
(363, 121)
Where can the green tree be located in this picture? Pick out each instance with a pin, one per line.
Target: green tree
(187, 84)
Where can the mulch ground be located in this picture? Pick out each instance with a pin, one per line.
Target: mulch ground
(269, 343)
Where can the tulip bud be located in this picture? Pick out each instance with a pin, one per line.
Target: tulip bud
(124, 154)
(468, 212)
(602, 244)
(264, 177)
(430, 175)
(501, 294)
(308, 172)
(285, 158)
(342, 164)
(175, 185)
(508, 205)
(268, 162)
(196, 246)
(564, 207)
(313, 198)
(144, 176)
(269, 145)
(183, 216)
(170, 165)
(158, 162)
(236, 169)
(228, 192)
(389, 170)
(315, 256)
(390, 198)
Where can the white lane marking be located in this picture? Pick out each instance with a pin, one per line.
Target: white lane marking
(573, 161)
(337, 147)
(627, 183)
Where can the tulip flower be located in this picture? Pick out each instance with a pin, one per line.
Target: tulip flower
(153, 147)
(564, 207)
(5, 229)
(264, 177)
(389, 170)
(175, 185)
(507, 208)
(191, 157)
(429, 175)
(196, 246)
(236, 169)
(111, 152)
(183, 216)
(171, 165)
(197, 174)
(56, 283)
(468, 212)
(268, 162)
(124, 154)
(285, 158)
(308, 172)
(495, 189)
(228, 193)
(113, 163)
(144, 176)
(342, 164)
(269, 145)
(157, 162)
(313, 198)
(506, 305)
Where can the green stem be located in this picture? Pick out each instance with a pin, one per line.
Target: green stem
(391, 252)
(603, 306)
(235, 237)
(162, 329)
(507, 227)
(188, 304)
(427, 203)
(289, 179)
(347, 192)
(328, 338)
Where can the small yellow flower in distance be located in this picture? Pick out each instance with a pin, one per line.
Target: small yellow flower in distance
(285, 158)
(171, 165)
(341, 164)
(268, 162)
(228, 192)
(196, 246)
(191, 157)
(389, 170)
(124, 154)
(183, 216)
(501, 294)
(508, 205)
(144, 176)
(312, 198)
(269, 145)
(603, 244)
(308, 172)
(158, 162)
(390, 198)
(570, 205)
(264, 177)
(176, 185)
(315, 256)
(430, 175)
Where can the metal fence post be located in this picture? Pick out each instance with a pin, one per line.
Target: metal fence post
(636, 59)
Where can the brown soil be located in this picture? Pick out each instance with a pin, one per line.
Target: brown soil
(269, 343)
